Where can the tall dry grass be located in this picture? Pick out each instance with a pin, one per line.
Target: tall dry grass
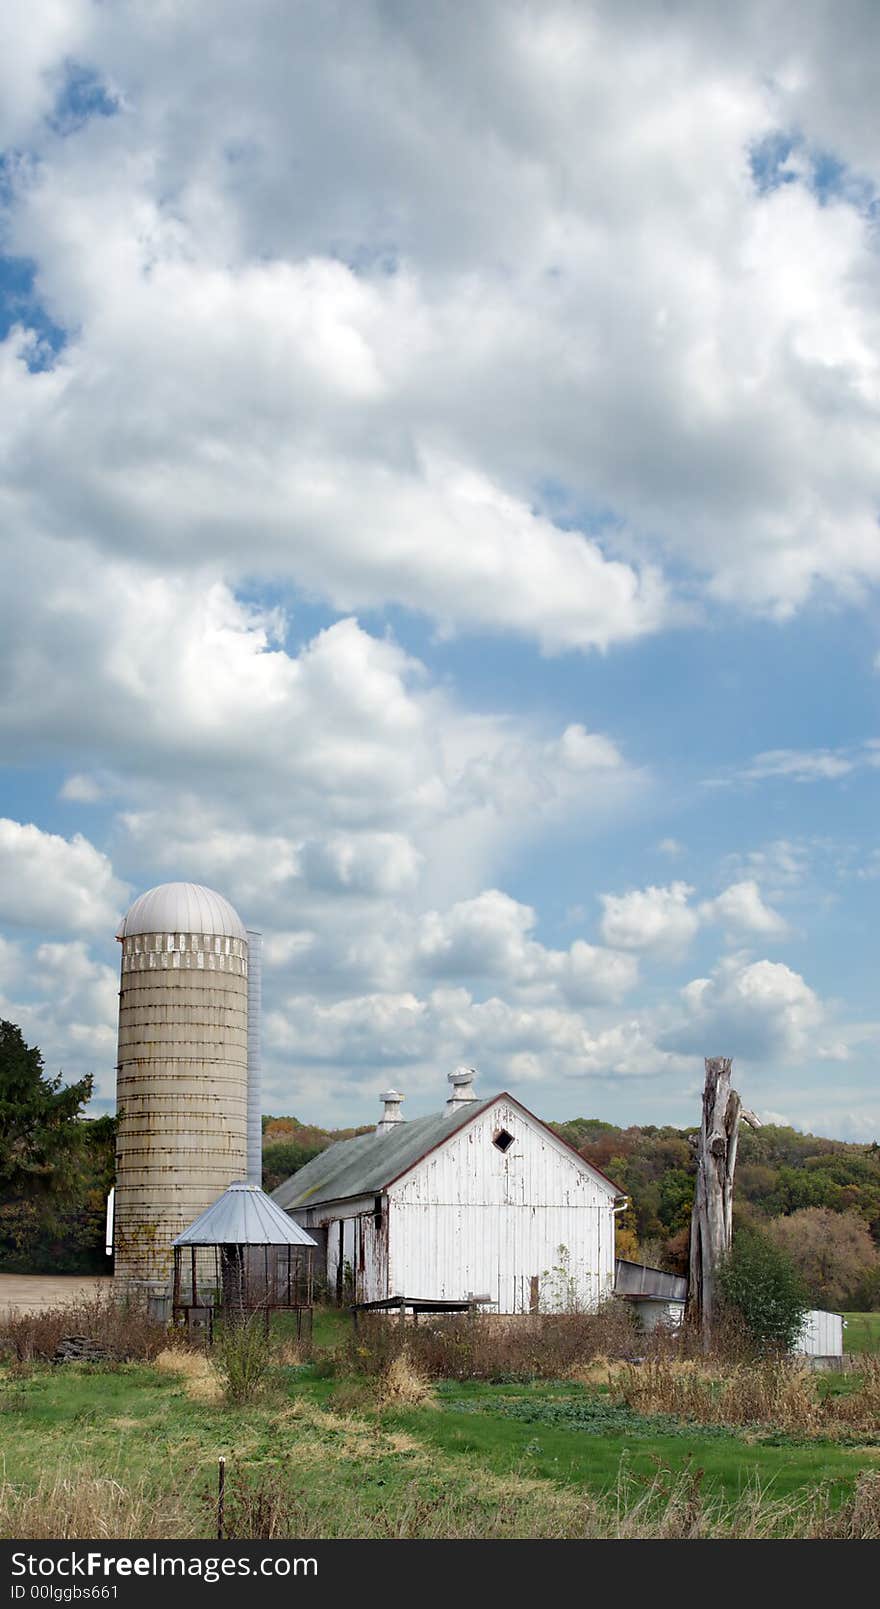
(404, 1386)
(776, 1393)
(79, 1505)
(275, 1503)
(527, 1347)
(121, 1325)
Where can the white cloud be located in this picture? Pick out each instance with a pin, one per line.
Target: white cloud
(80, 789)
(784, 863)
(11, 964)
(754, 1010)
(66, 1002)
(489, 936)
(364, 371)
(372, 863)
(426, 1035)
(654, 919)
(56, 884)
(497, 351)
(815, 765)
(741, 909)
(30, 58)
(347, 734)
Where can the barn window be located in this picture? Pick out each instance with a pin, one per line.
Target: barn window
(503, 1140)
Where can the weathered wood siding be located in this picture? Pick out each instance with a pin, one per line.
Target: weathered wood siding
(470, 1218)
(356, 1246)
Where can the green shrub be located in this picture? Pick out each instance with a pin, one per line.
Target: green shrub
(761, 1290)
(243, 1357)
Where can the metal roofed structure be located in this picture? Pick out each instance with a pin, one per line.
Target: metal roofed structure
(244, 1216)
(369, 1162)
(480, 1197)
(182, 908)
(242, 1255)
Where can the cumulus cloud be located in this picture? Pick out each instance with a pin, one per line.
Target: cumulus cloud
(56, 884)
(81, 789)
(662, 922)
(742, 910)
(31, 62)
(498, 354)
(427, 1034)
(490, 936)
(372, 863)
(655, 919)
(365, 372)
(66, 1002)
(346, 730)
(760, 1009)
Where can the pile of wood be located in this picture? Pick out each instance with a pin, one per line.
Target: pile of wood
(80, 1349)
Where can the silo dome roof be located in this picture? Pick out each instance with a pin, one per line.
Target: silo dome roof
(182, 908)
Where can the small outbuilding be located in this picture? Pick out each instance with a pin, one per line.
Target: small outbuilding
(242, 1255)
(656, 1297)
(479, 1201)
(821, 1338)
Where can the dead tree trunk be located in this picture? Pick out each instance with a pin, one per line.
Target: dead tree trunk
(712, 1217)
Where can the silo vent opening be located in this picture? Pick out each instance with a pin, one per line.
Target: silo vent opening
(503, 1140)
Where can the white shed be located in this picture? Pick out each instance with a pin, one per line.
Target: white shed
(657, 1297)
(821, 1335)
(481, 1199)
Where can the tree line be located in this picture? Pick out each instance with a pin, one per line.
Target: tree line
(816, 1200)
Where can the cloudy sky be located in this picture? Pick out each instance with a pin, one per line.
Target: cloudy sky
(440, 511)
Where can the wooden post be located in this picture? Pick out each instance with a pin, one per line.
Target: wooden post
(712, 1216)
(175, 1295)
(221, 1497)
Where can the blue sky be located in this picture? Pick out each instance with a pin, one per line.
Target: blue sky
(440, 502)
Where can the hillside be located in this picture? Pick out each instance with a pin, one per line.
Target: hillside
(819, 1198)
(288, 1145)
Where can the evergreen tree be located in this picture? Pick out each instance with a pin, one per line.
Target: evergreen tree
(40, 1136)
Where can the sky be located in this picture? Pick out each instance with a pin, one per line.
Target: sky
(440, 511)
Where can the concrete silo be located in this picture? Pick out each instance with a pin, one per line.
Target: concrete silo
(182, 1074)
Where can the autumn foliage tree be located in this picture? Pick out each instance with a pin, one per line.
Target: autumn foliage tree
(834, 1254)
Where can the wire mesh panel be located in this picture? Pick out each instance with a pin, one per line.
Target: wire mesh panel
(233, 1281)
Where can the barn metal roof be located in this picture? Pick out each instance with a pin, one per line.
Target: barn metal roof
(244, 1216)
(369, 1163)
(182, 908)
(640, 1281)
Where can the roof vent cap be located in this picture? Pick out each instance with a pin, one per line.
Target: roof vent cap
(391, 1112)
(462, 1081)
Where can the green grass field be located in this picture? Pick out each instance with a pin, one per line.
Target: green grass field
(862, 1333)
(507, 1460)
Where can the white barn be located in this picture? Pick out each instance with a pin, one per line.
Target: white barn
(481, 1199)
